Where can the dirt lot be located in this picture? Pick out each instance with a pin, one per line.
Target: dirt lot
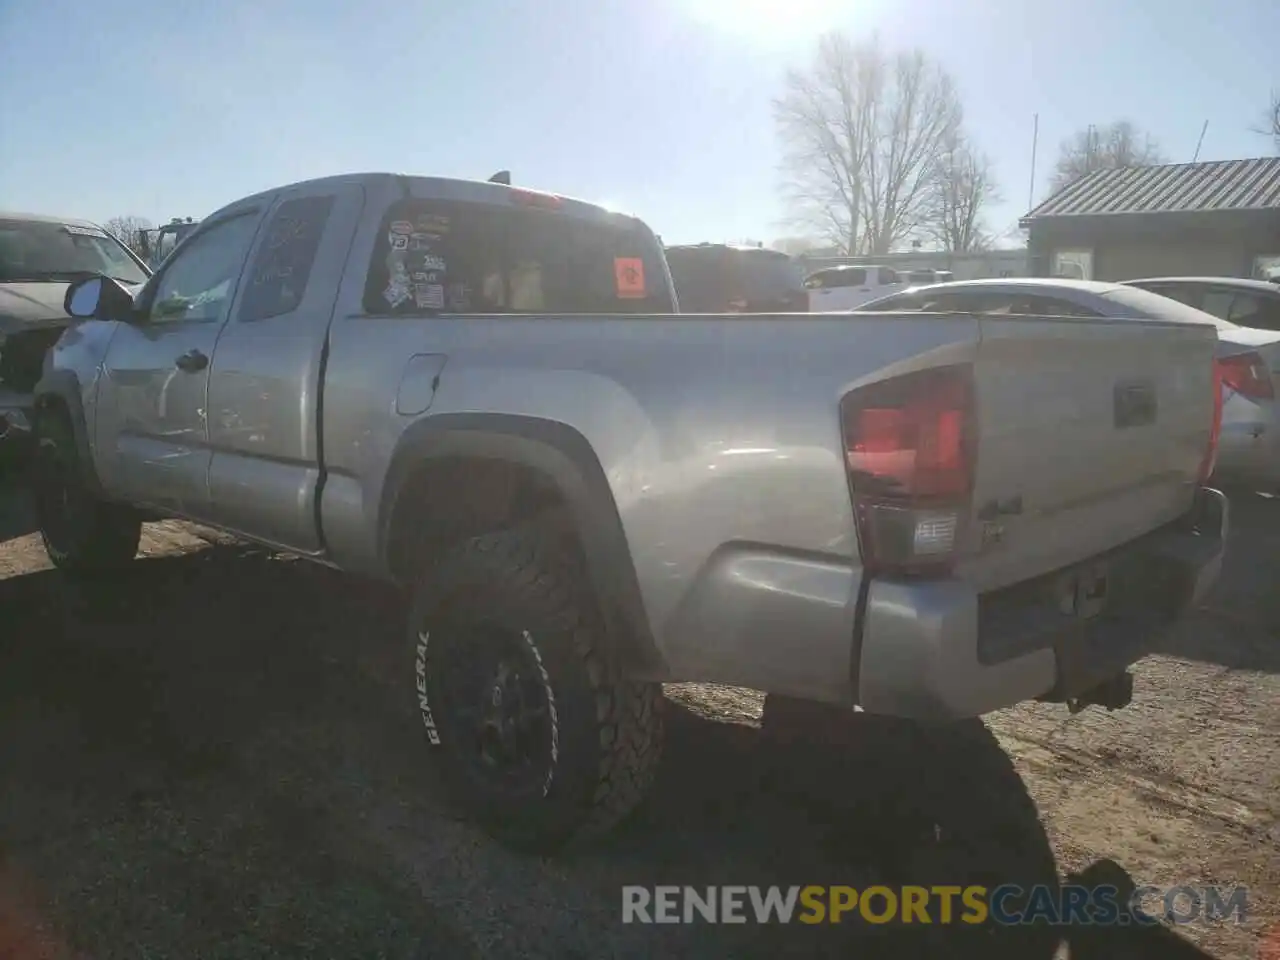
(215, 759)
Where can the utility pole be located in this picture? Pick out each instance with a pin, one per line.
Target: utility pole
(1200, 141)
(1035, 138)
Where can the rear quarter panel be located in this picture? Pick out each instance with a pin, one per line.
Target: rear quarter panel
(716, 434)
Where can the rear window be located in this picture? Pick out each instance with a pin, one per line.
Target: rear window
(437, 256)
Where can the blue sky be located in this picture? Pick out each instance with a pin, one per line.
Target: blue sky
(658, 107)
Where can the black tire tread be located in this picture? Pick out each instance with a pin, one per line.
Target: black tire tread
(113, 533)
(518, 564)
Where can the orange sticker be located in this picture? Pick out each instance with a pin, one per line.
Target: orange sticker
(628, 275)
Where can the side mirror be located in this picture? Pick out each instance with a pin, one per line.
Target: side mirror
(98, 298)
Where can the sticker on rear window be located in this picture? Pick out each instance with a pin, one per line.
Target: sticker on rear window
(432, 223)
(628, 274)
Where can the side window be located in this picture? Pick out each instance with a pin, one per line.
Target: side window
(277, 276)
(1183, 292)
(888, 276)
(1051, 307)
(1218, 303)
(1269, 318)
(951, 303)
(1247, 310)
(198, 283)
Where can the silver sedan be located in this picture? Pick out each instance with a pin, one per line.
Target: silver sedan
(1249, 360)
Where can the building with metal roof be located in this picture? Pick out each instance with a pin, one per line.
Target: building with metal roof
(1220, 218)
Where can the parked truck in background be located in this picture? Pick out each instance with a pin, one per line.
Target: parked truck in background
(848, 286)
(736, 278)
(482, 394)
(161, 241)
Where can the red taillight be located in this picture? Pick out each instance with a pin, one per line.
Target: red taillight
(1210, 458)
(534, 198)
(910, 445)
(1247, 375)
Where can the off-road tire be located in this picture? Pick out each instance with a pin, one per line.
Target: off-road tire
(82, 534)
(606, 727)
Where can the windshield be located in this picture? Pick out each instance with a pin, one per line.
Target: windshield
(34, 250)
(1153, 305)
(456, 257)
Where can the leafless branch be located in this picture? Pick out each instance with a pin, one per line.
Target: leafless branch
(132, 231)
(1119, 144)
(962, 185)
(1271, 121)
(861, 130)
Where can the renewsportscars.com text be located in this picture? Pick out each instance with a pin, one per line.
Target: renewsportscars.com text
(1005, 905)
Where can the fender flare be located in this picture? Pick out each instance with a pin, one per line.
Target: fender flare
(63, 386)
(564, 457)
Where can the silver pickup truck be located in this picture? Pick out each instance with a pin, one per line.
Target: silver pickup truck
(484, 394)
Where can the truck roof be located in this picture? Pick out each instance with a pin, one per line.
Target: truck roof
(445, 188)
(48, 218)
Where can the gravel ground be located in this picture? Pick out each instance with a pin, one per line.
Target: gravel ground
(212, 759)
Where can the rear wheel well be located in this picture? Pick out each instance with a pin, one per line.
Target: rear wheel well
(446, 500)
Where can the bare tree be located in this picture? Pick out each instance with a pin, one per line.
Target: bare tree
(133, 231)
(1271, 121)
(1119, 144)
(963, 184)
(861, 130)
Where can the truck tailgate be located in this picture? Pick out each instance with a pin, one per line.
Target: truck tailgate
(1090, 434)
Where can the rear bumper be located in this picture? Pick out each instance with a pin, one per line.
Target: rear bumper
(938, 650)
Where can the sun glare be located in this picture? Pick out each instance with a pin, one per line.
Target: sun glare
(768, 22)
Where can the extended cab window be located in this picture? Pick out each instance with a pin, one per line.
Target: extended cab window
(457, 257)
(277, 277)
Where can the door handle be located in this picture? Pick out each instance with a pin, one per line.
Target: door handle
(191, 361)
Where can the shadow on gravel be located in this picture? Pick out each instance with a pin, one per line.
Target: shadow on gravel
(15, 512)
(1239, 624)
(212, 756)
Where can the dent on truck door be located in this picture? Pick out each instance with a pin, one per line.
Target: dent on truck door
(152, 398)
(265, 383)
